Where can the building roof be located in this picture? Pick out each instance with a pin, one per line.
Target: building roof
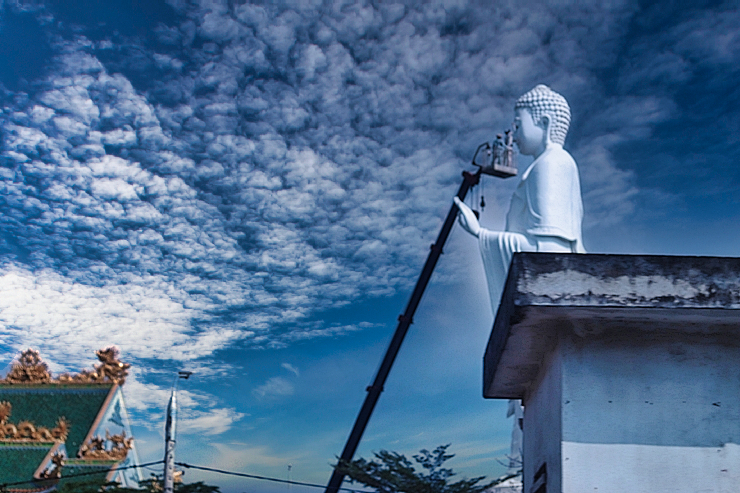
(43, 405)
(21, 461)
(52, 427)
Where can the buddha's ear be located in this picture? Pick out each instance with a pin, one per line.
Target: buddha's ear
(545, 122)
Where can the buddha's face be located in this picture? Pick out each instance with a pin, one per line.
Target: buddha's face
(529, 136)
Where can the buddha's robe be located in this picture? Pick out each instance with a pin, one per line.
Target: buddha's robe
(545, 215)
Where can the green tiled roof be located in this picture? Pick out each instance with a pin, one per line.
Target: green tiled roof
(42, 405)
(18, 463)
(71, 469)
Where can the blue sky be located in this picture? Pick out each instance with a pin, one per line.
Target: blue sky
(249, 191)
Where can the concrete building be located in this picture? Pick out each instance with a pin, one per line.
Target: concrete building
(628, 368)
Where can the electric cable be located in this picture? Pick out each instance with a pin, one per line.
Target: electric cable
(266, 478)
(4, 486)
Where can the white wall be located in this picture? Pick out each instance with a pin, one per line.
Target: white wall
(542, 423)
(637, 412)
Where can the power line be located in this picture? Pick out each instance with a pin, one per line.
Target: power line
(266, 478)
(5, 485)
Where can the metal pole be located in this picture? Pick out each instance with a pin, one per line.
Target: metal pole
(169, 435)
(404, 321)
(169, 441)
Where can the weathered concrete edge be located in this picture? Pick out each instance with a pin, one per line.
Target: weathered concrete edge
(690, 282)
(627, 280)
(501, 325)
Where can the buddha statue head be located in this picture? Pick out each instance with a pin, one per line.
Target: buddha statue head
(549, 110)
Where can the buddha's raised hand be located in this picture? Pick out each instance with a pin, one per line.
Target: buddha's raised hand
(467, 218)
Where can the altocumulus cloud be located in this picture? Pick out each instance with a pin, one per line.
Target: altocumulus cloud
(198, 413)
(221, 178)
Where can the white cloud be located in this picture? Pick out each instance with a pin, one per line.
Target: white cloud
(610, 192)
(273, 388)
(710, 36)
(291, 368)
(147, 319)
(212, 422)
(197, 413)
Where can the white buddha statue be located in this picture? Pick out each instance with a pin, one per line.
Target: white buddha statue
(546, 210)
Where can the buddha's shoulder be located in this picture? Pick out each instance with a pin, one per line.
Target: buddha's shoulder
(556, 159)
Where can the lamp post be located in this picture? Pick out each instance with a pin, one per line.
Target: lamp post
(169, 435)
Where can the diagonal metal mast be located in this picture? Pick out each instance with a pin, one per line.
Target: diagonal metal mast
(404, 321)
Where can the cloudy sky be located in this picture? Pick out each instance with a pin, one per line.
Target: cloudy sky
(249, 190)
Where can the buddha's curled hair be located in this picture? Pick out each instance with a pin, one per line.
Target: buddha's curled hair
(542, 100)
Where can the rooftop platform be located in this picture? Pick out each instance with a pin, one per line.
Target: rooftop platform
(594, 295)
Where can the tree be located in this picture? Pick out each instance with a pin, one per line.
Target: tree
(392, 472)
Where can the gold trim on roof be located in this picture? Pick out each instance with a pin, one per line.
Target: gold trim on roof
(30, 369)
(110, 370)
(55, 472)
(25, 431)
(96, 447)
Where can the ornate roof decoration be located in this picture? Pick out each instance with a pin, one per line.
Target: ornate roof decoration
(30, 369)
(25, 431)
(55, 472)
(96, 449)
(110, 370)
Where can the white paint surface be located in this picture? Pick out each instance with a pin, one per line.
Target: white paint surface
(621, 468)
(543, 424)
(626, 412)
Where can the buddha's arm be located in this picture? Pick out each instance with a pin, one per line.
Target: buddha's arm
(467, 218)
(551, 191)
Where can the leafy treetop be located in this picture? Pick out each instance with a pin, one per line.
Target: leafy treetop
(392, 472)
